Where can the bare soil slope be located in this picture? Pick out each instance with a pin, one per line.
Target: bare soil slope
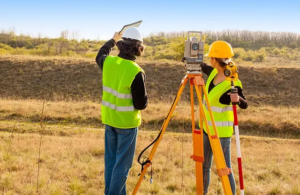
(80, 79)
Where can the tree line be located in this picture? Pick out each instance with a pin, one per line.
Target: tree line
(66, 45)
(249, 45)
(244, 38)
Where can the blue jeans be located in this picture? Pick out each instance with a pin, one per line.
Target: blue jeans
(119, 152)
(225, 143)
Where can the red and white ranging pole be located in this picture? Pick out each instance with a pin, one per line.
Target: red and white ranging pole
(238, 145)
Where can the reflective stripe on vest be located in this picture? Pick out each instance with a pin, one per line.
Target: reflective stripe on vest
(221, 123)
(117, 94)
(217, 109)
(117, 108)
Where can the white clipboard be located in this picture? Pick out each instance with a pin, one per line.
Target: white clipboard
(135, 24)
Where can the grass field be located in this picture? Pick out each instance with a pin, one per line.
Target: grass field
(68, 148)
(72, 163)
(271, 121)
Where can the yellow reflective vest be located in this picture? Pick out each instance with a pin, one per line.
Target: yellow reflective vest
(117, 108)
(223, 114)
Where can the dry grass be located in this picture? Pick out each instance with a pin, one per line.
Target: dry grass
(74, 164)
(67, 163)
(274, 121)
(72, 149)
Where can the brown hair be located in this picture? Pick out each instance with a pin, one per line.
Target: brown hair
(221, 63)
(131, 47)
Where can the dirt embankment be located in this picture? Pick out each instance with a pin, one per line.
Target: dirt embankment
(80, 79)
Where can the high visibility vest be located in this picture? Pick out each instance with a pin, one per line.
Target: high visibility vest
(117, 104)
(222, 113)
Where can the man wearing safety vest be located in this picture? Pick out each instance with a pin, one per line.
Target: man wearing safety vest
(220, 98)
(124, 95)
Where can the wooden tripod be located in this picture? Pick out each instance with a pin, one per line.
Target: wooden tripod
(197, 81)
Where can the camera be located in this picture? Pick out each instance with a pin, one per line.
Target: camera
(194, 52)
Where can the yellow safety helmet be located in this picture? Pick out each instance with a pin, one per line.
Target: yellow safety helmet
(220, 49)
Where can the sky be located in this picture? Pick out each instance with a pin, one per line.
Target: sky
(99, 19)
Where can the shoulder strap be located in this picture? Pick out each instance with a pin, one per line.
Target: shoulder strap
(210, 78)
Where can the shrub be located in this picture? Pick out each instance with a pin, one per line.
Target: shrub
(260, 57)
(177, 47)
(250, 56)
(20, 51)
(276, 52)
(293, 45)
(239, 53)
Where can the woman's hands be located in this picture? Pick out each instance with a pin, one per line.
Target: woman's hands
(117, 36)
(234, 97)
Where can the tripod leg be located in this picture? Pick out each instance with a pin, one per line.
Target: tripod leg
(223, 171)
(197, 146)
(165, 124)
(201, 125)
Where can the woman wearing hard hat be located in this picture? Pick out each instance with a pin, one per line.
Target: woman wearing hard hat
(124, 95)
(218, 90)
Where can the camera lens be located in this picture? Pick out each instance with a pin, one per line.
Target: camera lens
(195, 46)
